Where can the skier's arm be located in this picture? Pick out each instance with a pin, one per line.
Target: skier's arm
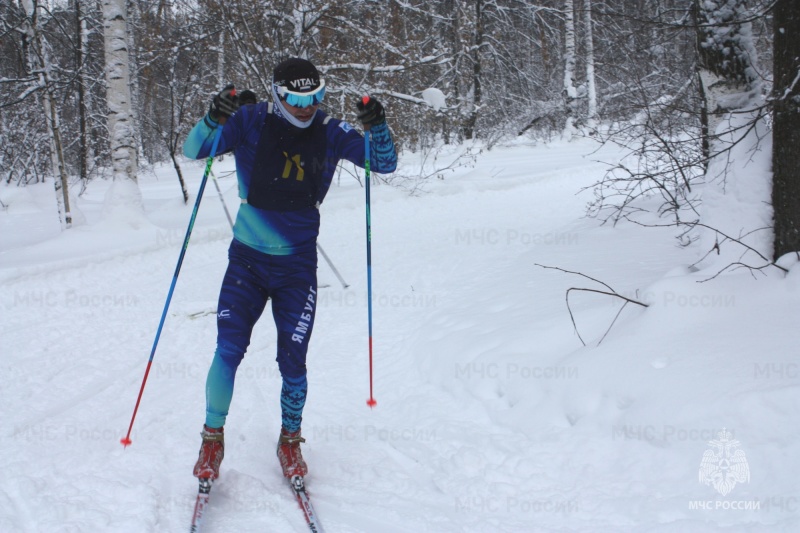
(199, 141)
(383, 155)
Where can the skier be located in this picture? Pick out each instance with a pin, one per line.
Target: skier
(247, 97)
(286, 152)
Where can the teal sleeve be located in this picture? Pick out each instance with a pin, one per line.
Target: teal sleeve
(198, 143)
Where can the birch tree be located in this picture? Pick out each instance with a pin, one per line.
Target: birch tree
(570, 92)
(39, 63)
(82, 58)
(124, 195)
(131, 21)
(118, 95)
(549, 65)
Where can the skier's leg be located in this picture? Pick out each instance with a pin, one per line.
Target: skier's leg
(241, 301)
(294, 306)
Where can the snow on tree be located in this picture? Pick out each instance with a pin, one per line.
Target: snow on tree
(727, 57)
(434, 98)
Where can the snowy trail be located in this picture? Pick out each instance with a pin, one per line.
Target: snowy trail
(491, 415)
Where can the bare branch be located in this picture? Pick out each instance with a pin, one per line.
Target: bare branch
(610, 292)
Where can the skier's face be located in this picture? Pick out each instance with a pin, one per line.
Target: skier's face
(303, 114)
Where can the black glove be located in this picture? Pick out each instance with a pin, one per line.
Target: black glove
(247, 97)
(370, 112)
(224, 104)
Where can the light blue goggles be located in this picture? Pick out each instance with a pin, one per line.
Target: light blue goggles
(306, 99)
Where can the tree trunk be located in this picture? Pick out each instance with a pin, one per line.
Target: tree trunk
(177, 166)
(175, 113)
(475, 56)
(123, 201)
(80, 55)
(221, 77)
(120, 112)
(786, 128)
(726, 57)
(570, 93)
(591, 112)
(41, 64)
(61, 179)
(132, 21)
(452, 39)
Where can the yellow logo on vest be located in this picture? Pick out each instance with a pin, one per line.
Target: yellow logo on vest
(291, 162)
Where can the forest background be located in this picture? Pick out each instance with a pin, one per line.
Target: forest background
(104, 89)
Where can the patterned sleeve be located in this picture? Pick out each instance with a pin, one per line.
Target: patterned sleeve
(349, 145)
(383, 157)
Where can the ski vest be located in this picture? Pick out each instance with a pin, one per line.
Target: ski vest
(289, 164)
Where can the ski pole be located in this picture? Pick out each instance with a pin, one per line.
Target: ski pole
(230, 221)
(126, 441)
(330, 264)
(371, 402)
(222, 199)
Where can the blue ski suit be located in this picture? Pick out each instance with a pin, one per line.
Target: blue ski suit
(284, 173)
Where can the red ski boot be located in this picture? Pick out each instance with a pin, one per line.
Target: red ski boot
(211, 453)
(289, 454)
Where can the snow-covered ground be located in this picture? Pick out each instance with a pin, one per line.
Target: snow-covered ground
(491, 417)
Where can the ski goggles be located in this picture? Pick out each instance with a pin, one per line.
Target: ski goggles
(307, 99)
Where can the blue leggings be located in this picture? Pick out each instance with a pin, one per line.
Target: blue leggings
(252, 278)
